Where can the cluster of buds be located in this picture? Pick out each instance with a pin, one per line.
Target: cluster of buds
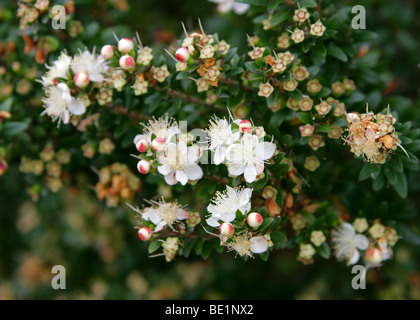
(203, 54)
(48, 167)
(129, 60)
(371, 136)
(116, 183)
(163, 146)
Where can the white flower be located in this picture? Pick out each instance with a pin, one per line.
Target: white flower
(248, 156)
(226, 204)
(144, 56)
(347, 243)
(227, 5)
(179, 163)
(245, 245)
(164, 128)
(220, 136)
(91, 64)
(59, 69)
(163, 214)
(59, 103)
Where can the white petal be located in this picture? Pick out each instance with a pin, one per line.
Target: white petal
(259, 166)
(228, 216)
(193, 171)
(182, 214)
(235, 169)
(193, 153)
(164, 169)
(348, 229)
(265, 150)
(65, 116)
(244, 196)
(77, 107)
(170, 179)
(213, 222)
(225, 6)
(160, 226)
(219, 155)
(96, 77)
(259, 244)
(250, 173)
(362, 242)
(355, 257)
(181, 176)
(240, 8)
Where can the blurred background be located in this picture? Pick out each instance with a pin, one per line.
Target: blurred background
(98, 246)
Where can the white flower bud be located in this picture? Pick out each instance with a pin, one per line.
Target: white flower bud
(125, 45)
(126, 62)
(158, 144)
(145, 234)
(182, 54)
(245, 126)
(143, 166)
(226, 229)
(107, 52)
(373, 255)
(142, 145)
(254, 219)
(81, 80)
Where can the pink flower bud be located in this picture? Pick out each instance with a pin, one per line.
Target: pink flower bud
(245, 126)
(226, 229)
(145, 234)
(143, 166)
(81, 80)
(182, 54)
(142, 145)
(158, 144)
(254, 219)
(107, 52)
(125, 45)
(126, 62)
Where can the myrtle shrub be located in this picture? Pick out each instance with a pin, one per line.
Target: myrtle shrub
(287, 140)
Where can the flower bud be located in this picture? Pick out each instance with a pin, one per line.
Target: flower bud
(226, 229)
(142, 145)
(245, 126)
(145, 234)
(158, 144)
(254, 219)
(125, 45)
(143, 166)
(126, 62)
(373, 255)
(182, 54)
(81, 80)
(107, 52)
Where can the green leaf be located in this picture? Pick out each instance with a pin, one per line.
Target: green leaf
(153, 246)
(182, 75)
(369, 170)
(323, 128)
(391, 175)
(324, 250)
(235, 71)
(280, 15)
(278, 237)
(254, 2)
(378, 183)
(12, 128)
(336, 52)
(408, 234)
(304, 117)
(396, 163)
(401, 185)
(273, 5)
(307, 3)
(320, 49)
